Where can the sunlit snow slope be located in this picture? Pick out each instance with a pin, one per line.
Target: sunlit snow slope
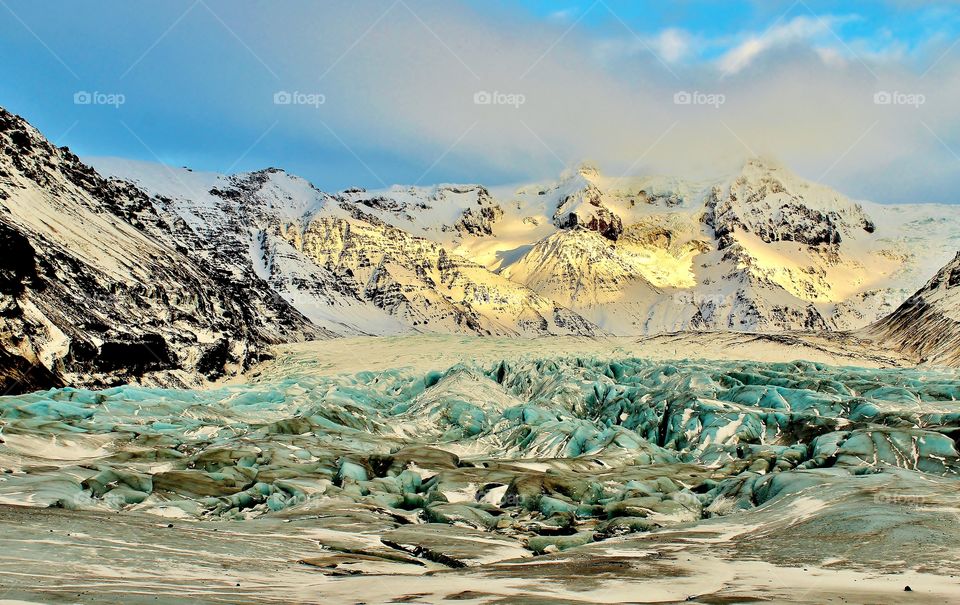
(762, 250)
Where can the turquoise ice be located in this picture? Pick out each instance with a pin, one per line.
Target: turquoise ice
(582, 448)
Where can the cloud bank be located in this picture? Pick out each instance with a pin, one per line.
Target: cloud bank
(429, 90)
(842, 111)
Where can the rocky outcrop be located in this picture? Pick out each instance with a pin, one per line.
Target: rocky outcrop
(423, 285)
(763, 204)
(97, 288)
(478, 221)
(583, 208)
(601, 220)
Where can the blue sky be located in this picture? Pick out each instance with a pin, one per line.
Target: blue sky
(910, 22)
(193, 82)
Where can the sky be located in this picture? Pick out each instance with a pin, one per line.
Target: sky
(860, 95)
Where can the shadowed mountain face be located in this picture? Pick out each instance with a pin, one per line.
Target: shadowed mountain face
(927, 325)
(97, 288)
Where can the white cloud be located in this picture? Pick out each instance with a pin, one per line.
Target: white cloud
(672, 45)
(400, 90)
(806, 105)
(564, 14)
(798, 29)
(831, 56)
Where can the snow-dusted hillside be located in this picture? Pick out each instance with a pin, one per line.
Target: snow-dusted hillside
(241, 221)
(927, 325)
(97, 287)
(341, 265)
(762, 250)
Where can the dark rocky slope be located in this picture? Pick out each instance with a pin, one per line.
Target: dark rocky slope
(927, 325)
(96, 289)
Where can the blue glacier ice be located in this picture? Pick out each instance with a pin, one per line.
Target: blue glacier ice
(556, 452)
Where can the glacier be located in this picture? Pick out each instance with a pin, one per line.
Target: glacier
(491, 470)
(541, 454)
(601, 432)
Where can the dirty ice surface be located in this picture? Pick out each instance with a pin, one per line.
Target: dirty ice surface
(554, 473)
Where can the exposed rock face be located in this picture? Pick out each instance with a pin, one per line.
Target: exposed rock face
(18, 375)
(804, 256)
(479, 222)
(583, 207)
(602, 221)
(98, 289)
(246, 226)
(761, 203)
(340, 261)
(762, 251)
(927, 325)
(419, 282)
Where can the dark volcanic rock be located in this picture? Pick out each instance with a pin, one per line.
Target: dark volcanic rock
(97, 289)
(479, 221)
(603, 222)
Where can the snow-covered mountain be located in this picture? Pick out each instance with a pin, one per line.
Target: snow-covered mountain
(927, 325)
(98, 287)
(762, 250)
(168, 275)
(342, 266)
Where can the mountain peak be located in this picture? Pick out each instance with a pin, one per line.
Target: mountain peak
(947, 278)
(763, 165)
(588, 170)
(927, 325)
(585, 170)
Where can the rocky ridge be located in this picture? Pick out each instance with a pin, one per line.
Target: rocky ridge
(927, 325)
(762, 250)
(99, 287)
